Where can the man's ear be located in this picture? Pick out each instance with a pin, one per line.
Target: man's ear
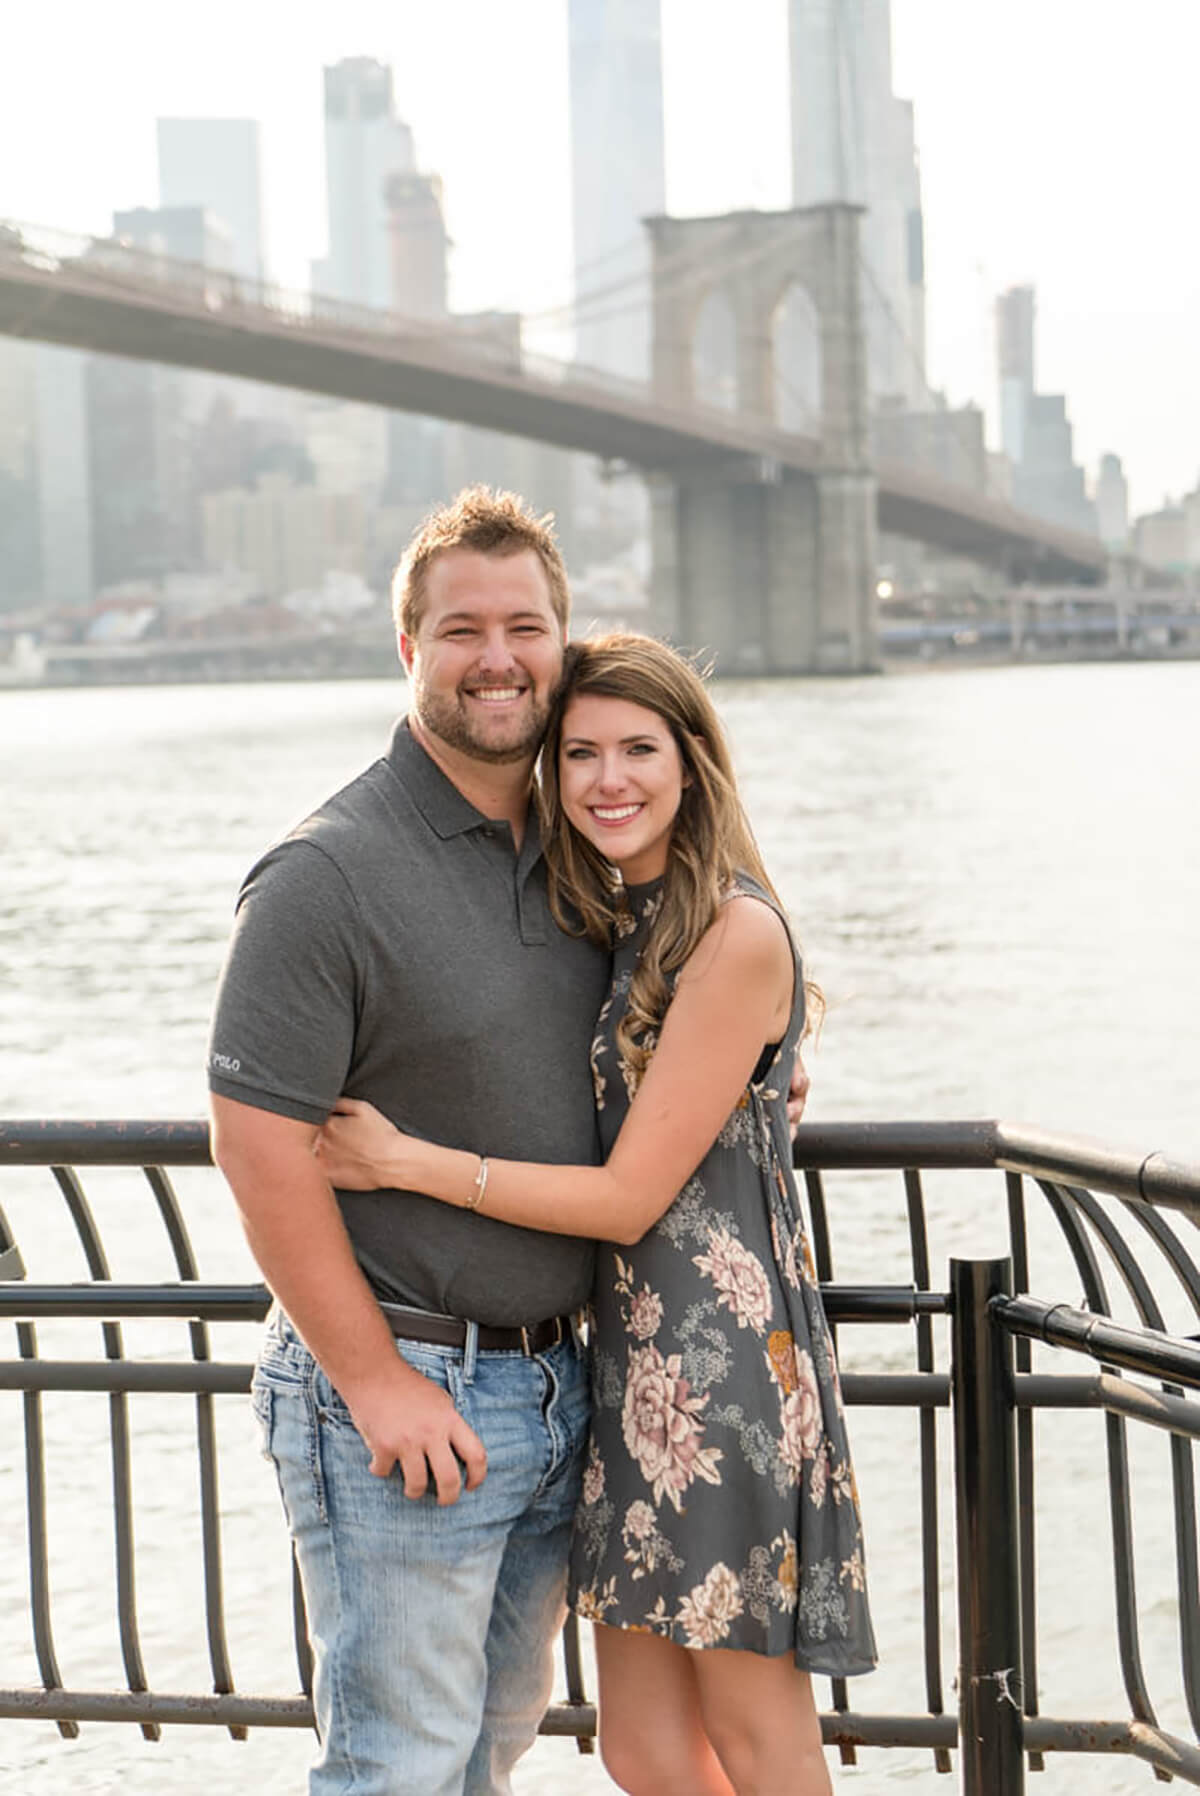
(407, 650)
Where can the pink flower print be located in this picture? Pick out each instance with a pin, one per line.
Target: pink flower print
(800, 1416)
(639, 1521)
(853, 1571)
(662, 1427)
(593, 1476)
(818, 1479)
(645, 1314)
(741, 1282)
(707, 1610)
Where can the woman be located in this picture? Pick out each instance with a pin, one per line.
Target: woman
(719, 1509)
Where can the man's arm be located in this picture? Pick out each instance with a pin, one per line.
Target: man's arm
(296, 1234)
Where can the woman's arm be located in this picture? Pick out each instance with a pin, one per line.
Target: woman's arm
(733, 995)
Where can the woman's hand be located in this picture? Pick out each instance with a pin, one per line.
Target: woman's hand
(360, 1150)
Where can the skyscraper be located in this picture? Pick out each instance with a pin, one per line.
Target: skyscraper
(1035, 429)
(1112, 503)
(1015, 315)
(617, 175)
(215, 163)
(63, 474)
(853, 140)
(365, 146)
(184, 233)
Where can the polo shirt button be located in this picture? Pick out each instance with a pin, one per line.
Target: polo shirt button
(487, 831)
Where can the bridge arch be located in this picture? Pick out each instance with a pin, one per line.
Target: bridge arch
(791, 281)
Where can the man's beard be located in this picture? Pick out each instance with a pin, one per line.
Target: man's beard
(447, 719)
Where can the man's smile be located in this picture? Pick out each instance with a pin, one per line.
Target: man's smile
(496, 695)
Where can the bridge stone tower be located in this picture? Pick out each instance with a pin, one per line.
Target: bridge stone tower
(774, 572)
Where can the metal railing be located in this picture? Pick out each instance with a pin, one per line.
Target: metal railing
(1096, 1206)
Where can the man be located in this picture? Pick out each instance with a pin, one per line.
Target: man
(398, 946)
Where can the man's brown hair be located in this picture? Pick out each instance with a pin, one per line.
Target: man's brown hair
(492, 523)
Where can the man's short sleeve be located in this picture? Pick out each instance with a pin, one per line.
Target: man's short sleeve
(283, 1027)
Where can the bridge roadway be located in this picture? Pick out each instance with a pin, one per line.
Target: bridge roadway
(104, 296)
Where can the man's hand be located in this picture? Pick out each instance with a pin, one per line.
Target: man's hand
(797, 1094)
(407, 1420)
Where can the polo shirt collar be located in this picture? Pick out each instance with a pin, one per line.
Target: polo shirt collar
(437, 798)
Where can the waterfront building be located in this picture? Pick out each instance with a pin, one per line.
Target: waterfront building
(418, 245)
(284, 536)
(1015, 315)
(618, 179)
(16, 407)
(1047, 480)
(19, 553)
(216, 164)
(1112, 503)
(348, 446)
(1161, 539)
(853, 140)
(1035, 429)
(183, 233)
(618, 176)
(64, 475)
(141, 419)
(365, 146)
(136, 440)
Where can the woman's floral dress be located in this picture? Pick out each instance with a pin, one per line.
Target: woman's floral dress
(719, 1506)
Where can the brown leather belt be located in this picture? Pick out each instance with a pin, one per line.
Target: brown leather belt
(451, 1331)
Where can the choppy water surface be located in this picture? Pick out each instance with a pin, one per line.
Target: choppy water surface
(996, 875)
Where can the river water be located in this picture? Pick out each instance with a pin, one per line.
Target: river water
(996, 876)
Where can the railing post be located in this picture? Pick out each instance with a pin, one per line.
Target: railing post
(989, 1595)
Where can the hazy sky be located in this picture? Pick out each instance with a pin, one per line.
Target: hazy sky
(1058, 143)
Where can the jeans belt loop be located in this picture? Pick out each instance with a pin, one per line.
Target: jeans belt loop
(470, 1350)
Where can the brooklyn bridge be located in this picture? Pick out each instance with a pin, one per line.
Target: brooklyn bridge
(763, 537)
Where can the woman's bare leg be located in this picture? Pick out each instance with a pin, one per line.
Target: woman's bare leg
(760, 1717)
(652, 1737)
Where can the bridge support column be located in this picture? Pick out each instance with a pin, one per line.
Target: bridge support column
(774, 576)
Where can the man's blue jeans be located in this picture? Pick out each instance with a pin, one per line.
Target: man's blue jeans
(432, 1628)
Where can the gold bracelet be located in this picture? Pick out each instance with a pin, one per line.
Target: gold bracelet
(480, 1184)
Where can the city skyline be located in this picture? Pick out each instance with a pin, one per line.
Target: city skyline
(1092, 216)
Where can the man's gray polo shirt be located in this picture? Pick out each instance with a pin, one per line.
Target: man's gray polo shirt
(394, 948)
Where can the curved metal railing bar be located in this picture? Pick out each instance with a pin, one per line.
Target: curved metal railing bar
(206, 1445)
(1183, 1483)
(118, 1416)
(1124, 1581)
(12, 1267)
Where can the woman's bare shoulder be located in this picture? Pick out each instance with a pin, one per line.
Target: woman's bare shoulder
(747, 939)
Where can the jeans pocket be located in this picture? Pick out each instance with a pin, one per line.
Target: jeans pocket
(262, 1405)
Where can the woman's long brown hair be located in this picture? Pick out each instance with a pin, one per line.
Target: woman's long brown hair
(711, 841)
